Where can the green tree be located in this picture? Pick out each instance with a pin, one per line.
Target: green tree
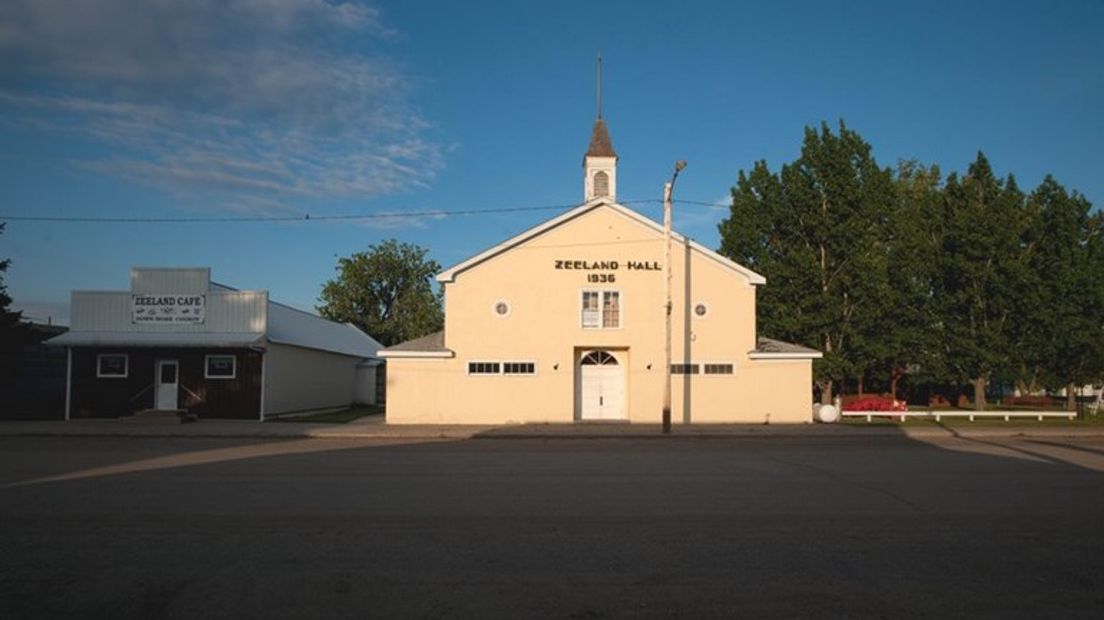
(907, 314)
(9, 321)
(982, 273)
(387, 292)
(13, 332)
(817, 231)
(1063, 326)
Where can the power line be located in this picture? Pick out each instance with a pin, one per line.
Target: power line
(307, 217)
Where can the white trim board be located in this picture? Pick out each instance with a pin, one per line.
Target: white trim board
(449, 275)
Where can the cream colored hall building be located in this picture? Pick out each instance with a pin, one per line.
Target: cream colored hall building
(565, 323)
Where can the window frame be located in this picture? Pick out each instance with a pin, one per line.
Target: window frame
(519, 374)
(494, 309)
(705, 365)
(126, 366)
(605, 192)
(468, 367)
(500, 371)
(602, 292)
(207, 367)
(695, 368)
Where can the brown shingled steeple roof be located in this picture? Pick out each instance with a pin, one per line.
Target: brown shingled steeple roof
(600, 144)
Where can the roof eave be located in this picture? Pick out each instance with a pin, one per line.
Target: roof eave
(417, 354)
(449, 275)
(795, 355)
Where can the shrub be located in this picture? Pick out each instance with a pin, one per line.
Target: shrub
(875, 403)
(938, 400)
(1027, 401)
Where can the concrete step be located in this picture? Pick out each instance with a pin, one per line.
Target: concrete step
(155, 416)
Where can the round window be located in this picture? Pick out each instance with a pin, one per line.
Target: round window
(701, 310)
(501, 308)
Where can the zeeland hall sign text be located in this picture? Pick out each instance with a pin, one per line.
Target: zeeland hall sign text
(164, 308)
(608, 266)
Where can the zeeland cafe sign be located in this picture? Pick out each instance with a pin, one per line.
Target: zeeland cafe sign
(168, 308)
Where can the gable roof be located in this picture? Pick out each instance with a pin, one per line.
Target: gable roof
(299, 328)
(431, 345)
(449, 274)
(287, 325)
(769, 348)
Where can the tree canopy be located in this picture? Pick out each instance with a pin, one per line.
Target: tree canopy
(817, 229)
(9, 321)
(386, 291)
(895, 273)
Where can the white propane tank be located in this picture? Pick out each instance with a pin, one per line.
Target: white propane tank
(828, 414)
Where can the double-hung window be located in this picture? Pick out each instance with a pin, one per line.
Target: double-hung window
(601, 309)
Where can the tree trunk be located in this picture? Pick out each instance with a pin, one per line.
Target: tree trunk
(979, 393)
(895, 377)
(862, 385)
(1071, 397)
(825, 391)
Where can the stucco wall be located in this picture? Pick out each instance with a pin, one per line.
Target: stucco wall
(298, 379)
(544, 326)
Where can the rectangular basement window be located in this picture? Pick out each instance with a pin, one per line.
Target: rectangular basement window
(112, 365)
(519, 368)
(685, 369)
(722, 368)
(484, 368)
(220, 367)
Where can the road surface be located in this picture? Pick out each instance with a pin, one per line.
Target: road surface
(513, 528)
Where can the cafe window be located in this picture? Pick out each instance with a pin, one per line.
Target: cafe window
(221, 367)
(112, 365)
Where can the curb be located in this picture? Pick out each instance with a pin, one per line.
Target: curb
(414, 433)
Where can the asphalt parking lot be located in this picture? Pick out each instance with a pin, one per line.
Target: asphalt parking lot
(886, 527)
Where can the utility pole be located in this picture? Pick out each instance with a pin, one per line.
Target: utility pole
(668, 190)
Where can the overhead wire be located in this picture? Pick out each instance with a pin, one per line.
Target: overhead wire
(307, 217)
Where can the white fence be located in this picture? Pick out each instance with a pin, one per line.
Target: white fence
(972, 415)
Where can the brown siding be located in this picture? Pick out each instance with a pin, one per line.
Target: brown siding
(93, 397)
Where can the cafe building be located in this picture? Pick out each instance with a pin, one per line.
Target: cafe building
(565, 323)
(176, 341)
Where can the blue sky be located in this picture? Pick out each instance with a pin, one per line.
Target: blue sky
(276, 107)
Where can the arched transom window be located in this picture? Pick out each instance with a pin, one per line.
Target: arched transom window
(598, 358)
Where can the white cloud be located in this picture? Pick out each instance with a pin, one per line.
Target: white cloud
(393, 221)
(241, 99)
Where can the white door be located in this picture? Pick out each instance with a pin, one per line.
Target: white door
(601, 387)
(168, 380)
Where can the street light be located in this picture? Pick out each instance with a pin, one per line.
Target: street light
(668, 189)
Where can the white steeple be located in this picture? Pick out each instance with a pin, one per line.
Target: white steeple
(600, 161)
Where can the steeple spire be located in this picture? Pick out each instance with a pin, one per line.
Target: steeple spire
(600, 161)
(598, 88)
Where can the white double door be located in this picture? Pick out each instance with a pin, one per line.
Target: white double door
(601, 387)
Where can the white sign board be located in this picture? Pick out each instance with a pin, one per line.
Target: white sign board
(162, 308)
